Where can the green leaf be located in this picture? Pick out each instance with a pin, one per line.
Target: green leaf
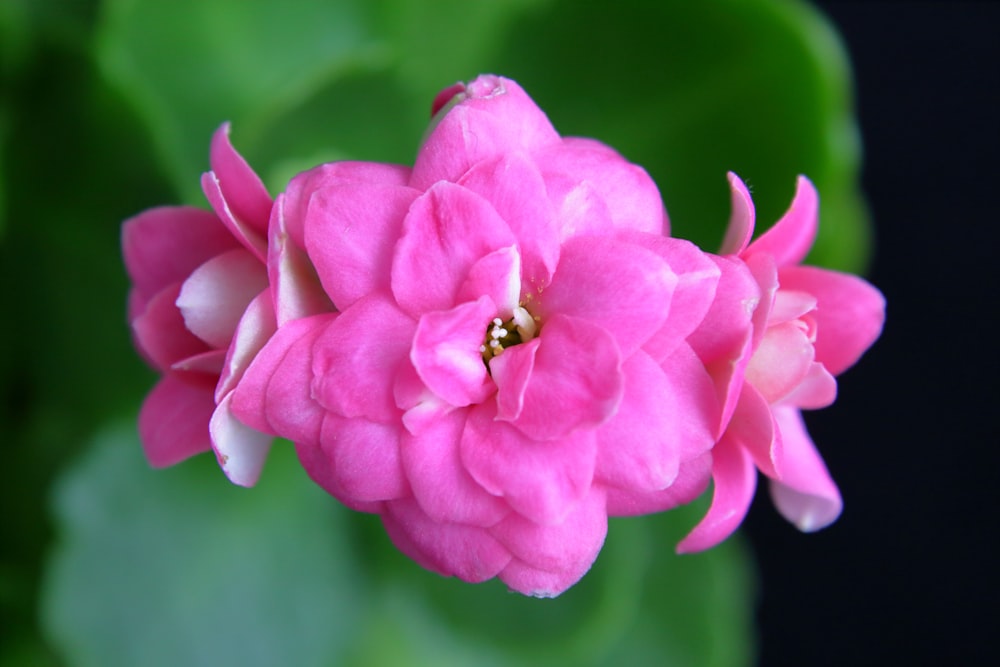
(179, 567)
(691, 90)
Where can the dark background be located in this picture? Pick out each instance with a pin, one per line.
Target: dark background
(907, 576)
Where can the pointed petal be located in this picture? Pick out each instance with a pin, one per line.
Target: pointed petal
(440, 483)
(735, 480)
(631, 196)
(243, 190)
(805, 494)
(246, 232)
(446, 231)
(173, 421)
(575, 383)
(240, 450)
(446, 352)
(741, 219)
(791, 238)
(849, 313)
(350, 234)
(467, 552)
(621, 287)
(213, 299)
(543, 481)
(164, 245)
(549, 559)
(357, 357)
(514, 186)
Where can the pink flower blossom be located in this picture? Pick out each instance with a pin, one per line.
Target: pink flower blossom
(200, 308)
(810, 325)
(499, 357)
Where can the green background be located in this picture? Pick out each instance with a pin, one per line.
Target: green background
(106, 108)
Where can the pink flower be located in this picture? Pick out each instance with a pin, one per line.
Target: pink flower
(200, 308)
(502, 359)
(811, 325)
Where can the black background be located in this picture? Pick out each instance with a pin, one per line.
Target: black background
(907, 575)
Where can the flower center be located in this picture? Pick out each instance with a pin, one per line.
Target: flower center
(500, 335)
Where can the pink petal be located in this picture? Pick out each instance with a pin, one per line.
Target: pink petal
(160, 333)
(514, 186)
(242, 189)
(357, 358)
(213, 299)
(804, 493)
(164, 245)
(453, 550)
(446, 232)
(543, 481)
(275, 393)
(781, 362)
(300, 190)
(173, 422)
(549, 559)
(818, 389)
(350, 234)
(364, 459)
(319, 466)
(753, 429)
(575, 382)
(741, 219)
(446, 352)
(440, 483)
(691, 481)
(511, 371)
(849, 313)
(697, 279)
(735, 480)
(240, 450)
(791, 238)
(210, 362)
(580, 209)
(790, 305)
(498, 276)
(251, 234)
(629, 193)
(620, 287)
(494, 117)
(296, 287)
(255, 328)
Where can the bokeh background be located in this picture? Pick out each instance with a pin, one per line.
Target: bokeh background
(106, 108)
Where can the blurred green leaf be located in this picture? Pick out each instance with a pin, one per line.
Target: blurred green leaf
(691, 90)
(179, 567)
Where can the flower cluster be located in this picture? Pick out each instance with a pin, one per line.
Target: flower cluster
(496, 349)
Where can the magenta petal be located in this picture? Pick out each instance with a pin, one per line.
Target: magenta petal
(240, 450)
(357, 358)
(160, 333)
(691, 481)
(804, 494)
(543, 481)
(781, 361)
(849, 313)
(741, 219)
(575, 383)
(296, 287)
(631, 196)
(467, 552)
(243, 190)
(511, 371)
(735, 480)
(252, 235)
(446, 231)
(350, 234)
(173, 422)
(164, 245)
(211, 362)
(255, 328)
(319, 468)
(791, 238)
(446, 352)
(498, 276)
(213, 299)
(550, 559)
(364, 458)
(275, 393)
(493, 117)
(514, 186)
(621, 287)
(439, 481)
